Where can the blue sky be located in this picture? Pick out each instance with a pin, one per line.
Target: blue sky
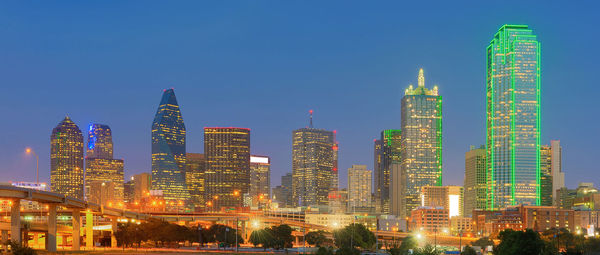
(264, 64)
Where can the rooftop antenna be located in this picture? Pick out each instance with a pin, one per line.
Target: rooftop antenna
(311, 112)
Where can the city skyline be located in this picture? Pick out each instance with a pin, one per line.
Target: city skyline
(356, 141)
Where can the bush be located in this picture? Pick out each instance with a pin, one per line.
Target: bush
(18, 249)
(324, 251)
(468, 250)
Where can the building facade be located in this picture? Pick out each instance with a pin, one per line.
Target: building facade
(195, 167)
(260, 180)
(66, 159)
(359, 189)
(168, 150)
(447, 197)
(314, 166)
(100, 166)
(513, 118)
(429, 219)
(475, 180)
(421, 143)
(227, 175)
(386, 156)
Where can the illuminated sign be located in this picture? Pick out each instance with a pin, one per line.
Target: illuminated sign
(454, 204)
(259, 159)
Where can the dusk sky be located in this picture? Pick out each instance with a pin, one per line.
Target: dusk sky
(264, 64)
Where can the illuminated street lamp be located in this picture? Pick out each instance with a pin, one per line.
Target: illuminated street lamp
(28, 150)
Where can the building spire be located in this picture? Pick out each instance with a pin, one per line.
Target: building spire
(421, 78)
(310, 112)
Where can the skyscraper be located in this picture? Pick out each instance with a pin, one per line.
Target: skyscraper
(168, 150)
(141, 186)
(513, 118)
(227, 175)
(359, 189)
(66, 159)
(551, 176)
(101, 167)
(389, 155)
(377, 170)
(421, 142)
(260, 179)
(194, 177)
(314, 162)
(475, 180)
(286, 190)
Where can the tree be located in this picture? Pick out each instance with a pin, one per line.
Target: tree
(468, 250)
(519, 242)
(354, 236)
(347, 250)
(316, 238)
(408, 243)
(282, 236)
(261, 237)
(224, 235)
(324, 251)
(427, 250)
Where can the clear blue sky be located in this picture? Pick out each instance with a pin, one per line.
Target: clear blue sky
(264, 64)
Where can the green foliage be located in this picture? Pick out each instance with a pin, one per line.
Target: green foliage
(18, 249)
(222, 234)
(592, 245)
(408, 243)
(324, 251)
(277, 237)
(354, 236)
(468, 250)
(316, 238)
(262, 237)
(427, 250)
(483, 242)
(158, 231)
(519, 242)
(347, 250)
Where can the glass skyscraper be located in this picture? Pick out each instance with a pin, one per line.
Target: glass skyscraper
(194, 177)
(421, 143)
(513, 118)
(227, 174)
(66, 159)
(168, 150)
(475, 180)
(260, 179)
(101, 167)
(387, 154)
(314, 166)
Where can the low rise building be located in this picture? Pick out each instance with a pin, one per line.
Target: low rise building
(429, 219)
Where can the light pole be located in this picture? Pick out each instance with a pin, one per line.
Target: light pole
(460, 240)
(37, 164)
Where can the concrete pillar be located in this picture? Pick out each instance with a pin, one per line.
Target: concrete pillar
(113, 237)
(15, 221)
(76, 229)
(51, 228)
(297, 240)
(5, 239)
(89, 230)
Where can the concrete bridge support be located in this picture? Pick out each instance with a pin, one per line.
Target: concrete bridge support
(51, 237)
(76, 229)
(113, 237)
(89, 230)
(15, 221)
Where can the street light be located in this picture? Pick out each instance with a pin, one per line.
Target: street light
(28, 150)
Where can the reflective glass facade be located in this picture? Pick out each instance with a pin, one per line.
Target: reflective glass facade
(168, 150)
(421, 142)
(227, 175)
(387, 154)
(513, 118)
(66, 159)
(314, 166)
(100, 165)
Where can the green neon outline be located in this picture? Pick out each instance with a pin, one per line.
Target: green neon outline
(490, 147)
(512, 125)
(439, 135)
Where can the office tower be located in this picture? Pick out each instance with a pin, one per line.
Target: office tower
(389, 155)
(546, 175)
(168, 150)
(314, 161)
(194, 178)
(359, 188)
(513, 118)
(377, 170)
(129, 192)
(102, 193)
(260, 181)
(558, 176)
(141, 186)
(100, 165)
(66, 159)
(448, 197)
(421, 142)
(475, 180)
(227, 175)
(286, 190)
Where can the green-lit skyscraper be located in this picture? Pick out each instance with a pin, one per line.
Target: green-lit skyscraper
(421, 143)
(168, 150)
(513, 118)
(387, 154)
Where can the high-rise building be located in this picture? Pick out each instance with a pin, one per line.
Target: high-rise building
(168, 150)
(475, 180)
(141, 186)
(227, 174)
(194, 178)
(66, 159)
(128, 192)
(448, 197)
(103, 193)
(99, 163)
(513, 118)
(314, 166)
(359, 189)
(386, 156)
(286, 191)
(421, 143)
(260, 179)
(377, 170)
(546, 175)
(558, 176)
